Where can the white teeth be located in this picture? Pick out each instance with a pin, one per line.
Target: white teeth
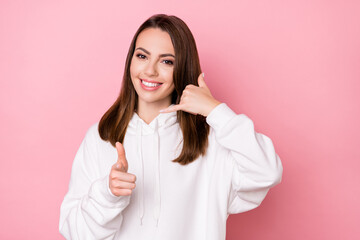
(148, 84)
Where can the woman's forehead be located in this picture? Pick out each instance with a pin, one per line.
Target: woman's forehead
(156, 41)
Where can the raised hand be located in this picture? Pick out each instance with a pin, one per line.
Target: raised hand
(121, 183)
(195, 99)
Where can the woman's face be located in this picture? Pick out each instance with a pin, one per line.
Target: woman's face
(152, 67)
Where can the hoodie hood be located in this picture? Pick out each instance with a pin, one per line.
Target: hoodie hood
(138, 127)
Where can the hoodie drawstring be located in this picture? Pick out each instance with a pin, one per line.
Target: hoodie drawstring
(140, 157)
(157, 174)
(156, 157)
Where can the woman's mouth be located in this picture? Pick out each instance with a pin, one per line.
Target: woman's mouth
(150, 85)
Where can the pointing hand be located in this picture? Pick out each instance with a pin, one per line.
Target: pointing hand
(121, 183)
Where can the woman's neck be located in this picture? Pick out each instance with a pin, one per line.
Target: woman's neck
(149, 111)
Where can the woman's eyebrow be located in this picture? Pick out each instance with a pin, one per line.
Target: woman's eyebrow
(161, 55)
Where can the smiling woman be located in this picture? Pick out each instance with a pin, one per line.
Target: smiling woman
(167, 160)
(160, 40)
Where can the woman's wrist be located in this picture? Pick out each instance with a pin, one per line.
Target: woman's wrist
(213, 104)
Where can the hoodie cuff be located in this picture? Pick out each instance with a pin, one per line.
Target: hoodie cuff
(220, 116)
(101, 192)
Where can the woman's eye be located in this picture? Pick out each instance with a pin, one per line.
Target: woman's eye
(169, 62)
(141, 56)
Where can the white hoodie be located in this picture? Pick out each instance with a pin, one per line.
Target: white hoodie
(170, 201)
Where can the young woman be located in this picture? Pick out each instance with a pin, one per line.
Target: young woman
(167, 160)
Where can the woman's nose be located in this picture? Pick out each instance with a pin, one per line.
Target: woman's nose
(150, 69)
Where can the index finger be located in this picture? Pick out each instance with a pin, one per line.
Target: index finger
(122, 163)
(120, 150)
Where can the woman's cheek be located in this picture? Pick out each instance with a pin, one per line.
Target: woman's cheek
(132, 68)
(167, 72)
(136, 67)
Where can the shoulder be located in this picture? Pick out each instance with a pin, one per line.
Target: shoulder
(93, 128)
(93, 138)
(92, 133)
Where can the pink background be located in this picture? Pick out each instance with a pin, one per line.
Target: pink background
(291, 66)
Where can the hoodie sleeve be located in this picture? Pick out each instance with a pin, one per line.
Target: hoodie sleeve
(255, 165)
(89, 209)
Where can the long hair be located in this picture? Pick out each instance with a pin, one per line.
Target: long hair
(195, 130)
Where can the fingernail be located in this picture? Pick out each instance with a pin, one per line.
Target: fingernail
(117, 166)
(203, 74)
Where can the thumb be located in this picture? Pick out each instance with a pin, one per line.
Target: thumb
(122, 162)
(201, 81)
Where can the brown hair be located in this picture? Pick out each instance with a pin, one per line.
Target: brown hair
(195, 130)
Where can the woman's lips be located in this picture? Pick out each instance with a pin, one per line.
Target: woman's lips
(150, 85)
